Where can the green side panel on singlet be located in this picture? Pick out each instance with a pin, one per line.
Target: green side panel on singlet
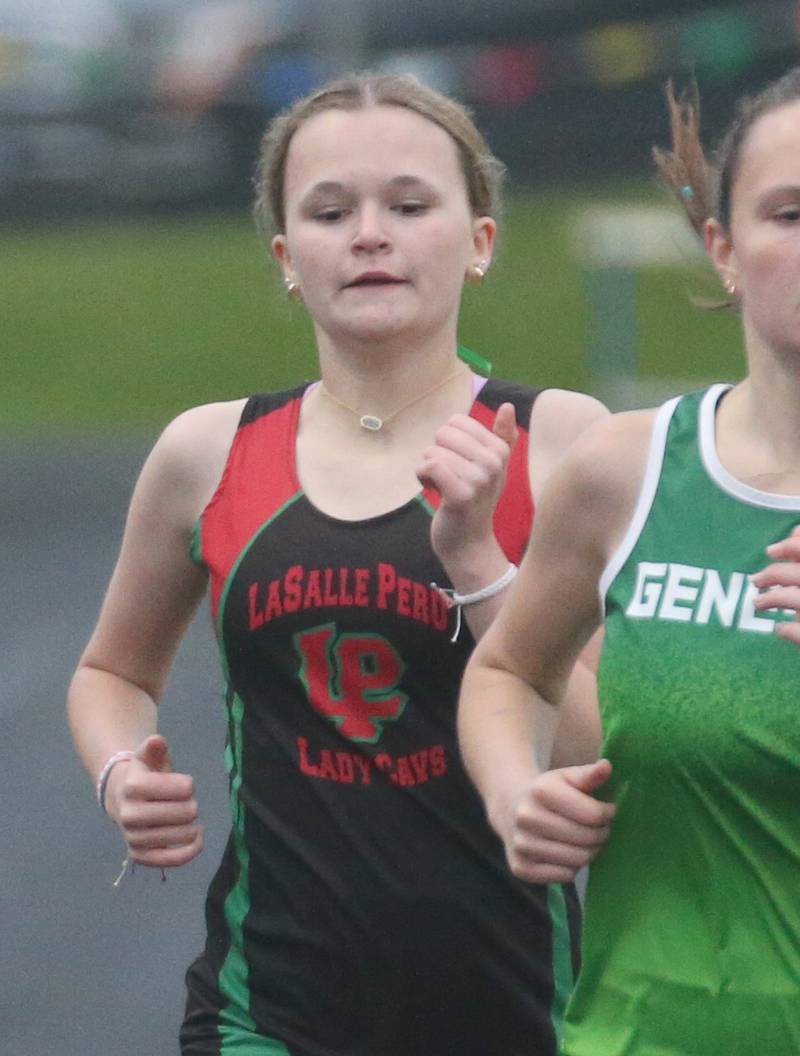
(196, 543)
(233, 977)
(563, 977)
(242, 1043)
(692, 922)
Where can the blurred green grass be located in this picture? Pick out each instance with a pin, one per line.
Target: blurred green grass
(119, 326)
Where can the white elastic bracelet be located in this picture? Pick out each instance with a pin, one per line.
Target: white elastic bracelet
(454, 599)
(486, 592)
(105, 773)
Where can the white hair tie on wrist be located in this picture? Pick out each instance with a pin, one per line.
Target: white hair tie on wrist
(105, 773)
(454, 599)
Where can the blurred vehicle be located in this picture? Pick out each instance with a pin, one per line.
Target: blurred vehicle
(109, 105)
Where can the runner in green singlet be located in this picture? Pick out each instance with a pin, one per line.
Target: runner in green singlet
(658, 523)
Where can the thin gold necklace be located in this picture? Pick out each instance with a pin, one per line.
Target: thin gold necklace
(372, 422)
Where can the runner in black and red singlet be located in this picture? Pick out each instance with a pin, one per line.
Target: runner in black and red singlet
(363, 906)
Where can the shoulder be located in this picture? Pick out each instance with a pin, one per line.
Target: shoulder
(199, 435)
(189, 457)
(559, 415)
(209, 420)
(558, 418)
(612, 445)
(597, 482)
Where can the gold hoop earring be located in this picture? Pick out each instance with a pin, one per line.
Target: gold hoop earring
(730, 286)
(292, 290)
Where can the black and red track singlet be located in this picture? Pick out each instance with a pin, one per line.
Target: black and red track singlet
(363, 906)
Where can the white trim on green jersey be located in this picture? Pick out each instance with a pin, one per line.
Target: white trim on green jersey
(719, 474)
(647, 492)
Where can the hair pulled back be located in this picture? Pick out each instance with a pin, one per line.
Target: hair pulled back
(704, 189)
(483, 172)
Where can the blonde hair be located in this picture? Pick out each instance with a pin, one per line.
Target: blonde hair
(483, 173)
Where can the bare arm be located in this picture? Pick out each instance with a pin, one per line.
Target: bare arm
(579, 734)
(559, 418)
(516, 681)
(153, 593)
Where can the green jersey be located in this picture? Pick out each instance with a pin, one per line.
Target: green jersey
(692, 925)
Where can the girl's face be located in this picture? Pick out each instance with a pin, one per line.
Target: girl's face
(379, 232)
(761, 253)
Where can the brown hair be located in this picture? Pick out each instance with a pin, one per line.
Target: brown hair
(705, 190)
(483, 173)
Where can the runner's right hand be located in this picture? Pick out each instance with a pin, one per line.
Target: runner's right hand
(557, 826)
(155, 808)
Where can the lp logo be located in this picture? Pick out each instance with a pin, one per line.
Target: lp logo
(351, 679)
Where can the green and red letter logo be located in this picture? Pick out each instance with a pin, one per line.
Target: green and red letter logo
(351, 679)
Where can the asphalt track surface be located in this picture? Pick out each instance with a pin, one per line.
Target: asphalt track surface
(86, 969)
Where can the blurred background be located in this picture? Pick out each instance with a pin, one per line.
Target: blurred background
(133, 285)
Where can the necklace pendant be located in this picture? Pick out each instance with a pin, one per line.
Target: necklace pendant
(371, 422)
